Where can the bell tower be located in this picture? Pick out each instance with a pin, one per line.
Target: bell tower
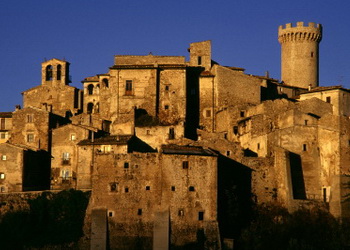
(300, 53)
(55, 72)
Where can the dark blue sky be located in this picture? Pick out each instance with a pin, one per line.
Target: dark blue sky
(88, 33)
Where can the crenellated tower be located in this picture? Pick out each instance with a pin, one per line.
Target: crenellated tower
(299, 53)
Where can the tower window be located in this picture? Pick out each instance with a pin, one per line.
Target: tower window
(90, 107)
(59, 72)
(105, 83)
(199, 60)
(48, 73)
(90, 89)
(328, 99)
(128, 87)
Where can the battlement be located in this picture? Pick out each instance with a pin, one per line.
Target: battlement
(310, 32)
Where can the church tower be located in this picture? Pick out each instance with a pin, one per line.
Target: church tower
(299, 54)
(55, 72)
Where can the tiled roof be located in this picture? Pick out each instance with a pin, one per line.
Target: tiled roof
(319, 89)
(186, 150)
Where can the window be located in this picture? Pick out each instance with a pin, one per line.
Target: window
(166, 106)
(30, 118)
(2, 123)
(139, 211)
(304, 147)
(312, 54)
(258, 146)
(90, 107)
(59, 70)
(191, 188)
(199, 60)
(328, 99)
(235, 130)
(167, 88)
(126, 190)
(48, 73)
(65, 174)
(2, 189)
(30, 137)
(110, 214)
(106, 148)
(148, 188)
(3, 135)
(172, 188)
(180, 212)
(242, 113)
(128, 87)
(185, 164)
(73, 137)
(113, 187)
(126, 164)
(90, 89)
(201, 215)
(2, 176)
(4, 157)
(208, 113)
(306, 121)
(171, 134)
(105, 83)
(65, 158)
(228, 153)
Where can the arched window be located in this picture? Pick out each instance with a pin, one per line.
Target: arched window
(49, 73)
(90, 107)
(90, 89)
(59, 72)
(105, 83)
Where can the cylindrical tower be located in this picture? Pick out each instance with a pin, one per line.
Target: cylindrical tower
(299, 54)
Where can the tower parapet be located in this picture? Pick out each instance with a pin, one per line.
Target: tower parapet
(299, 53)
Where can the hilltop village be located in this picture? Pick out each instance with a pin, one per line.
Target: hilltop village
(169, 147)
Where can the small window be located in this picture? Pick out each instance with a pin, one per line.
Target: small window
(2, 176)
(166, 106)
(48, 73)
(128, 87)
(139, 211)
(90, 107)
(225, 136)
(185, 164)
(312, 54)
(2, 123)
(242, 113)
(328, 99)
(208, 113)
(73, 137)
(148, 132)
(235, 130)
(171, 134)
(191, 188)
(172, 188)
(4, 157)
(30, 118)
(200, 215)
(258, 146)
(126, 164)
(199, 60)
(148, 188)
(304, 147)
(113, 187)
(30, 137)
(2, 189)
(228, 153)
(181, 212)
(59, 72)
(126, 190)
(90, 89)
(110, 214)
(167, 88)
(306, 122)
(105, 83)
(65, 174)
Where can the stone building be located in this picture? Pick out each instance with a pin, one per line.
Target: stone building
(165, 143)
